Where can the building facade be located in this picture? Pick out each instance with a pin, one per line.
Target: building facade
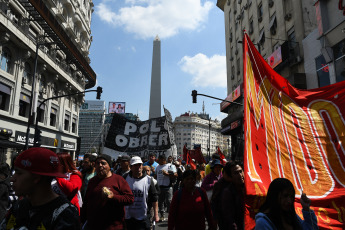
(278, 29)
(324, 48)
(44, 48)
(91, 126)
(198, 129)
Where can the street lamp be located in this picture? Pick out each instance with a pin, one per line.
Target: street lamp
(209, 138)
(195, 94)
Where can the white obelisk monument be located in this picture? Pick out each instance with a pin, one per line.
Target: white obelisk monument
(155, 93)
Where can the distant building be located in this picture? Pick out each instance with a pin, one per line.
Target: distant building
(61, 31)
(91, 126)
(193, 129)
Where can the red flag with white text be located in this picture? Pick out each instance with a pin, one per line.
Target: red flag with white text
(295, 134)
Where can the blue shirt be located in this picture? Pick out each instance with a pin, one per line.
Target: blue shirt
(155, 164)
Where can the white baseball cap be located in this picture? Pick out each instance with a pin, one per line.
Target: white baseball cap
(136, 160)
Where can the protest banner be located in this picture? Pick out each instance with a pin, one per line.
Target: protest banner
(137, 137)
(295, 134)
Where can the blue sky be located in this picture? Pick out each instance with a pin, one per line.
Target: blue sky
(192, 53)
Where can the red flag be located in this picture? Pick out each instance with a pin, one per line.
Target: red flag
(295, 134)
(199, 157)
(190, 162)
(185, 151)
(221, 155)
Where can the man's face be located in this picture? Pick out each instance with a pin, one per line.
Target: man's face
(125, 165)
(86, 164)
(217, 169)
(152, 158)
(23, 182)
(102, 168)
(170, 159)
(137, 170)
(162, 161)
(237, 175)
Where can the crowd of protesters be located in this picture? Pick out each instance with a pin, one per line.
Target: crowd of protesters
(51, 191)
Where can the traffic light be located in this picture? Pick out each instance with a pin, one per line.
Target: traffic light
(37, 137)
(99, 92)
(194, 94)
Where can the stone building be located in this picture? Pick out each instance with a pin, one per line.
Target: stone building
(44, 48)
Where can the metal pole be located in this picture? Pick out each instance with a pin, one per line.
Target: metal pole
(30, 119)
(209, 138)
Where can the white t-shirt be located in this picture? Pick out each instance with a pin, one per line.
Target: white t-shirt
(140, 188)
(162, 179)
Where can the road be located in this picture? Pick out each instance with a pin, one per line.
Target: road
(162, 225)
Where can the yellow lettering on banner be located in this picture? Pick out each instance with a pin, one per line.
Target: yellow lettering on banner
(251, 98)
(321, 184)
(299, 212)
(338, 211)
(338, 127)
(326, 219)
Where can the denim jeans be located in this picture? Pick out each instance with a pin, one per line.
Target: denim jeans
(165, 197)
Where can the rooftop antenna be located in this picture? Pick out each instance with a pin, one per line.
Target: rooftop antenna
(203, 107)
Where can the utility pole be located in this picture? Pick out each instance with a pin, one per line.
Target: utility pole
(209, 138)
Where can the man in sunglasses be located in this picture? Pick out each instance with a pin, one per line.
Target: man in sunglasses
(106, 197)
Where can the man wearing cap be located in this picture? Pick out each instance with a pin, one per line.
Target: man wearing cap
(40, 207)
(166, 173)
(106, 197)
(124, 166)
(152, 163)
(145, 193)
(212, 177)
(214, 156)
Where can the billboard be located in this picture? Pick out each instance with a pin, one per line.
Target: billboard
(117, 107)
(93, 106)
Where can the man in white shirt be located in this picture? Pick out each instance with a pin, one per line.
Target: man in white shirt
(165, 173)
(144, 192)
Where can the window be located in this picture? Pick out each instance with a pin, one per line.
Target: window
(66, 127)
(5, 93)
(6, 59)
(54, 91)
(27, 74)
(238, 66)
(339, 57)
(74, 125)
(40, 112)
(322, 71)
(24, 105)
(53, 113)
(260, 12)
(43, 85)
(262, 38)
(251, 26)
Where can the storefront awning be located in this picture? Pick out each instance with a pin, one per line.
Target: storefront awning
(10, 144)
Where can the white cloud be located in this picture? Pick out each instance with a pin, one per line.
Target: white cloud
(133, 49)
(206, 72)
(147, 18)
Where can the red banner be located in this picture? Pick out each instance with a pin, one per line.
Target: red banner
(295, 134)
(195, 154)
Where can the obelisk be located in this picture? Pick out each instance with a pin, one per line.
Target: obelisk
(155, 93)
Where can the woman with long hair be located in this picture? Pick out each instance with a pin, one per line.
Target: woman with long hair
(71, 185)
(278, 211)
(190, 206)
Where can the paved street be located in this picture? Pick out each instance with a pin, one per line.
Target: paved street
(162, 225)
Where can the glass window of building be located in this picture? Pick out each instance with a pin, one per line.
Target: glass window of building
(74, 125)
(24, 105)
(53, 113)
(67, 118)
(27, 74)
(260, 12)
(43, 85)
(54, 91)
(322, 71)
(5, 59)
(339, 57)
(5, 92)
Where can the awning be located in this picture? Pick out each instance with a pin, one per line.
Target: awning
(5, 89)
(10, 144)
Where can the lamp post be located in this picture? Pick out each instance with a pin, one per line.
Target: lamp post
(98, 90)
(209, 138)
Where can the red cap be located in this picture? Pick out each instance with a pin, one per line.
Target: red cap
(39, 161)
